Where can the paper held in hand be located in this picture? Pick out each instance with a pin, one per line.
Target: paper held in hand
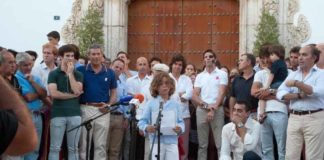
(168, 122)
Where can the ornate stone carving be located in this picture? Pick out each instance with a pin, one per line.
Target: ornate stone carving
(272, 6)
(300, 32)
(68, 30)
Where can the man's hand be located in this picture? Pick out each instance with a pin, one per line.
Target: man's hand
(210, 115)
(29, 77)
(236, 119)
(177, 129)
(150, 129)
(70, 68)
(103, 108)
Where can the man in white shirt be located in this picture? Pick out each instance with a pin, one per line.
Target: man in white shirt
(209, 92)
(276, 111)
(134, 86)
(304, 90)
(241, 136)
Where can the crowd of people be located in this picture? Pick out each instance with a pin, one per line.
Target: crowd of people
(267, 107)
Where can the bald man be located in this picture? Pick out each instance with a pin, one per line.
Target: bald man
(134, 86)
(320, 63)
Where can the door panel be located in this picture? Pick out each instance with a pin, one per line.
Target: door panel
(164, 27)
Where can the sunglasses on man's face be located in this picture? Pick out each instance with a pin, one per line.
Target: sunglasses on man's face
(210, 56)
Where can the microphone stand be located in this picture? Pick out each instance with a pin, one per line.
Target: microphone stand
(87, 124)
(133, 133)
(158, 132)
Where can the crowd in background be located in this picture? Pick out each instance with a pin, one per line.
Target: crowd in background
(267, 107)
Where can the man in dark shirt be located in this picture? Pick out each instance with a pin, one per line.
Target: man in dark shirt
(241, 87)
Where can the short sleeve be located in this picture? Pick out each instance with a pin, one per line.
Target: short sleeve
(51, 77)
(8, 129)
(198, 82)
(224, 79)
(78, 76)
(113, 82)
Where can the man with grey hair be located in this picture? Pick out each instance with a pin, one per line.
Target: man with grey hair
(99, 91)
(8, 68)
(33, 92)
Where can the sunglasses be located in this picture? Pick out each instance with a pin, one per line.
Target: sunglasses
(210, 56)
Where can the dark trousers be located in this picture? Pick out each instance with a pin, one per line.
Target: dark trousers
(250, 155)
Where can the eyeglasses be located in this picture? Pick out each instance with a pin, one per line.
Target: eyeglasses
(210, 56)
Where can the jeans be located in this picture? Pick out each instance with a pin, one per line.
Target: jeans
(38, 122)
(274, 123)
(59, 125)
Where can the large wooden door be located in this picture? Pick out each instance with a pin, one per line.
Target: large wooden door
(164, 27)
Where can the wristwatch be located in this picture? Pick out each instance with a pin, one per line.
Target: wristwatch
(272, 91)
(204, 105)
(240, 125)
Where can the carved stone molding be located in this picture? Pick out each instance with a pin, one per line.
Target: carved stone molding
(300, 32)
(68, 30)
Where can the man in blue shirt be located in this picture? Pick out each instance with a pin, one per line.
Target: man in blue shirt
(118, 118)
(99, 86)
(33, 92)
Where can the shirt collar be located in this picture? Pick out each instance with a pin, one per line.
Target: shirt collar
(103, 68)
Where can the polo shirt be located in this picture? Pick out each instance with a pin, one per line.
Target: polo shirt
(97, 86)
(26, 88)
(64, 107)
(209, 84)
(241, 90)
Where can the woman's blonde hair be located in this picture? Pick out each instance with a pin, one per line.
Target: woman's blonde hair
(157, 81)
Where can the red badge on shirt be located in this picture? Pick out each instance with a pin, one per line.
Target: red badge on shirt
(217, 78)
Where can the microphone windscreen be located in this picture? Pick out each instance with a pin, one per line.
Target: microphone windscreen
(125, 99)
(140, 97)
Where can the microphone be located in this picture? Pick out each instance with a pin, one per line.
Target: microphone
(122, 101)
(137, 100)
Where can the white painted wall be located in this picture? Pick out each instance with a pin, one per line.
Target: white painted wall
(313, 10)
(25, 23)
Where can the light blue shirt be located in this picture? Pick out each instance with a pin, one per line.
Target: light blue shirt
(123, 77)
(26, 87)
(122, 92)
(311, 102)
(153, 107)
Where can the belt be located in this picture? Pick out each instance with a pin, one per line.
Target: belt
(304, 112)
(93, 104)
(273, 112)
(116, 113)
